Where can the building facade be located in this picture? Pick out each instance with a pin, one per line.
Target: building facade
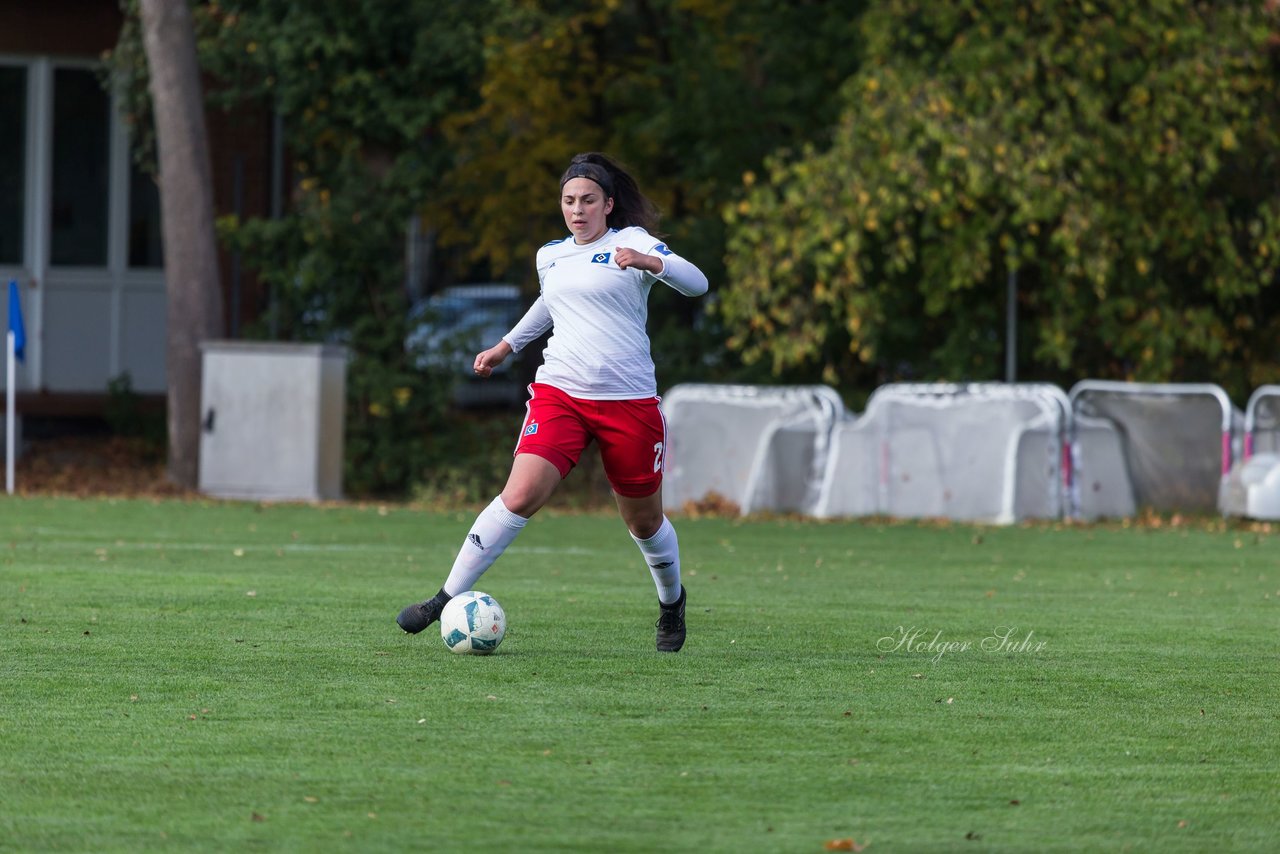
(80, 222)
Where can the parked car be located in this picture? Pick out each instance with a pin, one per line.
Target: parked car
(448, 329)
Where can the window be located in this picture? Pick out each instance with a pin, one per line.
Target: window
(13, 173)
(145, 248)
(81, 149)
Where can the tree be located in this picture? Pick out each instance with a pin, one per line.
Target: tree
(687, 93)
(192, 285)
(1121, 157)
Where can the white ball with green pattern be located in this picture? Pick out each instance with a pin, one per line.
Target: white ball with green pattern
(473, 623)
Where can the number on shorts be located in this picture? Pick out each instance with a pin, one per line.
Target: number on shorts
(657, 457)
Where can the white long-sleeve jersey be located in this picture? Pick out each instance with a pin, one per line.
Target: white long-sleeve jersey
(599, 349)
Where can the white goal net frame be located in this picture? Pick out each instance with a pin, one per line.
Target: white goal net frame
(987, 452)
(1177, 438)
(1262, 421)
(761, 448)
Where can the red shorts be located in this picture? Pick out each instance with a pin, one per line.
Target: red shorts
(632, 436)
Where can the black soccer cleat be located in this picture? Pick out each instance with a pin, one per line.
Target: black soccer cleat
(419, 615)
(671, 624)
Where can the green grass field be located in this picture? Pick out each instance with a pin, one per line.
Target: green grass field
(222, 676)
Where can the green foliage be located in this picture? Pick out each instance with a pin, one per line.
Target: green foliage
(1119, 156)
(687, 93)
(365, 81)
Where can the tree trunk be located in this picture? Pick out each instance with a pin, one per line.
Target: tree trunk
(192, 284)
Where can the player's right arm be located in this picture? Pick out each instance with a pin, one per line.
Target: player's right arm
(536, 321)
(530, 328)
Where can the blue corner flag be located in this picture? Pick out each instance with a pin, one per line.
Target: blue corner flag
(15, 322)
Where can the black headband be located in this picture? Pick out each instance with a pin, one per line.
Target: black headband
(591, 172)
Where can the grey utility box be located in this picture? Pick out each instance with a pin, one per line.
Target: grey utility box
(272, 420)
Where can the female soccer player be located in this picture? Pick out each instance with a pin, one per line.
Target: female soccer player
(596, 382)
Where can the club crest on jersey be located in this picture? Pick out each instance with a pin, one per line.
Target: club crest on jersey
(662, 249)
(600, 258)
(531, 429)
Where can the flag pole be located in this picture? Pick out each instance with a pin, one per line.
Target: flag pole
(9, 419)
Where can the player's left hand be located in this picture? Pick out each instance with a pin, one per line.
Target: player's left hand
(627, 258)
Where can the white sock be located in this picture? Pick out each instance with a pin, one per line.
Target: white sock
(662, 553)
(494, 529)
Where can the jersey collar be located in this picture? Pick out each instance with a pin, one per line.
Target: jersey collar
(609, 232)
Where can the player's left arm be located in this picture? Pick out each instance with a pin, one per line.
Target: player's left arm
(665, 266)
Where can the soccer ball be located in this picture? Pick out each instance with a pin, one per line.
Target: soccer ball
(473, 623)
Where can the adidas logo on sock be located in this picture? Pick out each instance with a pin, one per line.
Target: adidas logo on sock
(475, 541)
(663, 565)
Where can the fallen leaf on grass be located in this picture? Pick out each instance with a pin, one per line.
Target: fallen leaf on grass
(843, 845)
(311, 799)
(258, 817)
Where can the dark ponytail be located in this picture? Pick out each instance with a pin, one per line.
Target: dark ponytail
(630, 206)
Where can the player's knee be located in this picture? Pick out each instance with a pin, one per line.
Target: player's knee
(522, 501)
(646, 531)
(644, 525)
